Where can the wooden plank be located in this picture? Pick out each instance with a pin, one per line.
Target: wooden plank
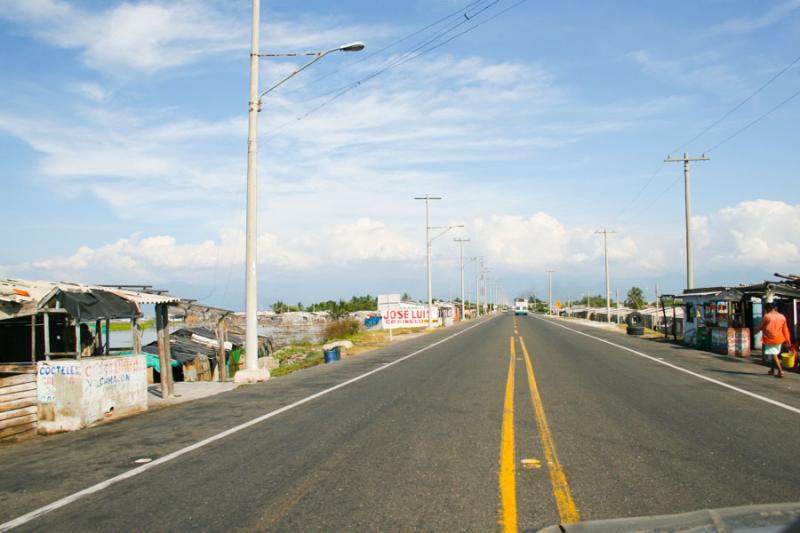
(32, 410)
(7, 432)
(19, 404)
(24, 395)
(30, 433)
(17, 388)
(13, 368)
(18, 421)
(17, 379)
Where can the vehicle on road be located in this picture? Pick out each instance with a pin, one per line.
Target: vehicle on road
(521, 307)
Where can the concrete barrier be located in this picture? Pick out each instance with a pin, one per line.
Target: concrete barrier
(74, 393)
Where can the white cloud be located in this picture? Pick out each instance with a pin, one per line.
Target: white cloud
(704, 70)
(541, 241)
(150, 36)
(759, 233)
(755, 233)
(162, 257)
(773, 15)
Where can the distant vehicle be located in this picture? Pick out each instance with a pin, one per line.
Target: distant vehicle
(521, 307)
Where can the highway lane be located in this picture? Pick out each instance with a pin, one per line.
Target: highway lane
(596, 432)
(639, 438)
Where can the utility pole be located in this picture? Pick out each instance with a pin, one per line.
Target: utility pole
(618, 306)
(428, 245)
(687, 193)
(549, 291)
(655, 322)
(461, 258)
(252, 372)
(605, 233)
(478, 270)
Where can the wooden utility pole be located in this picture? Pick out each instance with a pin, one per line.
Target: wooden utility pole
(164, 352)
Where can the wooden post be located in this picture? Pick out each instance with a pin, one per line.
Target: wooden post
(108, 336)
(33, 339)
(162, 327)
(46, 336)
(222, 336)
(78, 346)
(136, 336)
(168, 348)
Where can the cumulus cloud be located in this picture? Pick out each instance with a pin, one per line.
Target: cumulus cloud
(539, 241)
(162, 257)
(758, 232)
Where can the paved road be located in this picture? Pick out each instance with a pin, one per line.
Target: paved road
(507, 422)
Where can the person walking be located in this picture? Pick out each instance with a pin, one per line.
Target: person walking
(775, 334)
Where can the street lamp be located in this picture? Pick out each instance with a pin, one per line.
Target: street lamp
(444, 229)
(461, 256)
(251, 372)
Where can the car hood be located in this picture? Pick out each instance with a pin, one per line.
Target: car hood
(750, 518)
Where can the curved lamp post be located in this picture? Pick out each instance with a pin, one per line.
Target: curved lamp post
(252, 372)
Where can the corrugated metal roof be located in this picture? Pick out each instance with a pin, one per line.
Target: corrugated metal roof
(20, 298)
(142, 298)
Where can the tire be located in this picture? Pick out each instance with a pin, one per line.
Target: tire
(634, 319)
(635, 330)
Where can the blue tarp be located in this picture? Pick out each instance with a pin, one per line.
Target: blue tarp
(372, 321)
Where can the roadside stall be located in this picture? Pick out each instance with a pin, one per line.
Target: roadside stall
(724, 319)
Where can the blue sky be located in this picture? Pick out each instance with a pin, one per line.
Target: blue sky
(123, 144)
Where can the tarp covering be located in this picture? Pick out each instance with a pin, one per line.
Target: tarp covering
(96, 304)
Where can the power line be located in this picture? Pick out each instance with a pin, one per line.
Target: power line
(753, 122)
(738, 106)
(712, 126)
(402, 60)
(403, 39)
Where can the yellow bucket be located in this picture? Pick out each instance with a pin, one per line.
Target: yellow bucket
(787, 360)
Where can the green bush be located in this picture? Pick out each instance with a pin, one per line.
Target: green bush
(342, 328)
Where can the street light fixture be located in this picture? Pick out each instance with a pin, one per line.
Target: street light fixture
(461, 260)
(251, 373)
(444, 229)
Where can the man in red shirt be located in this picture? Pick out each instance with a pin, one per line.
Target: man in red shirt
(775, 334)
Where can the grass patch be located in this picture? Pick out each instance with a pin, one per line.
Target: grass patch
(304, 355)
(308, 361)
(126, 326)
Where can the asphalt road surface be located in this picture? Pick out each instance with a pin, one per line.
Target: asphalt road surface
(510, 423)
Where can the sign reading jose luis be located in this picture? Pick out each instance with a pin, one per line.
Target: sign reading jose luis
(396, 313)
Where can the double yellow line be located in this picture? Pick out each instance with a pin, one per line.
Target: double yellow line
(567, 511)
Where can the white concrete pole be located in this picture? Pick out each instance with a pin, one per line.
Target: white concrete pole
(461, 259)
(687, 198)
(608, 285)
(430, 244)
(477, 291)
(655, 324)
(252, 373)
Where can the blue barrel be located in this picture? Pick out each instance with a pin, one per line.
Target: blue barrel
(332, 355)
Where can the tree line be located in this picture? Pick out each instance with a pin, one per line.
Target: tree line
(335, 308)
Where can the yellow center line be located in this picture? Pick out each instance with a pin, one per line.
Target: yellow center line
(508, 476)
(567, 510)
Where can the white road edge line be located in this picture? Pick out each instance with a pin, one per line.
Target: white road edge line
(27, 517)
(681, 369)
